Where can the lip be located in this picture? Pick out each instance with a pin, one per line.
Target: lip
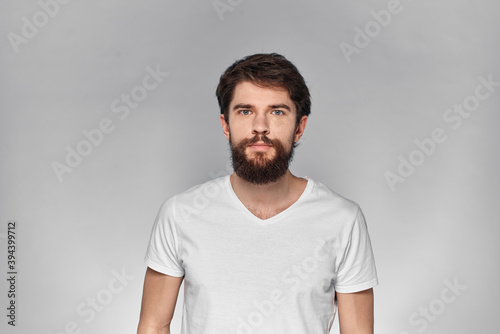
(260, 146)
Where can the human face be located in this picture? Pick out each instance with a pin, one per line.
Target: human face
(261, 131)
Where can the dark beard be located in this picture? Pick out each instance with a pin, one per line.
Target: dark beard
(261, 170)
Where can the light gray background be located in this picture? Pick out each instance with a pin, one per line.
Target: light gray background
(440, 224)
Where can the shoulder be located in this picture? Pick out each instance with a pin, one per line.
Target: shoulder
(195, 197)
(324, 197)
(208, 189)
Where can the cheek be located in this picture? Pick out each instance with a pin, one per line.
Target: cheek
(237, 131)
(285, 132)
(234, 139)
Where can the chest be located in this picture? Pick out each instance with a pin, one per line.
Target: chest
(257, 260)
(264, 213)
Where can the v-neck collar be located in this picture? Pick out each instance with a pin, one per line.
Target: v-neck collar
(274, 218)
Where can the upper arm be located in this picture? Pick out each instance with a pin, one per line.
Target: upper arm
(355, 312)
(158, 301)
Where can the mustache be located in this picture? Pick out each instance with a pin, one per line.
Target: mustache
(261, 138)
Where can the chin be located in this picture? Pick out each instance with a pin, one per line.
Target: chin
(259, 156)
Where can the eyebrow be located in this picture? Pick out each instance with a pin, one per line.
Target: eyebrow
(273, 106)
(280, 106)
(242, 106)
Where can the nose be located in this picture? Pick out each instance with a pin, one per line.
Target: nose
(260, 124)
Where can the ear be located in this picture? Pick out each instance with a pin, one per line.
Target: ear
(300, 129)
(225, 126)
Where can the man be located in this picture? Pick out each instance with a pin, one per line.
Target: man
(260, 250)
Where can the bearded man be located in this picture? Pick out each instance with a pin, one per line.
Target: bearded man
(260, 250)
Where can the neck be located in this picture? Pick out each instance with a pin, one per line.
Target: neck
(265, 195)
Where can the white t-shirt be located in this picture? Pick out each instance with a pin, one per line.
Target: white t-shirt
(243, 274)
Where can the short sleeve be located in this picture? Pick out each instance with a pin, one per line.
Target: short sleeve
(357, 269)
(162, 253)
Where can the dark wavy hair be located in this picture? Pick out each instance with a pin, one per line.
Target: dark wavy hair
(265, 70)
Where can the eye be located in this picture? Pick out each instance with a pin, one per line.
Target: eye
(278, 112)
(244, 112)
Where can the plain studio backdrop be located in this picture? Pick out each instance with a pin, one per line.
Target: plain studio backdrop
(108, 108)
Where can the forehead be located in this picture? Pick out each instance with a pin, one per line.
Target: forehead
(249, 93)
